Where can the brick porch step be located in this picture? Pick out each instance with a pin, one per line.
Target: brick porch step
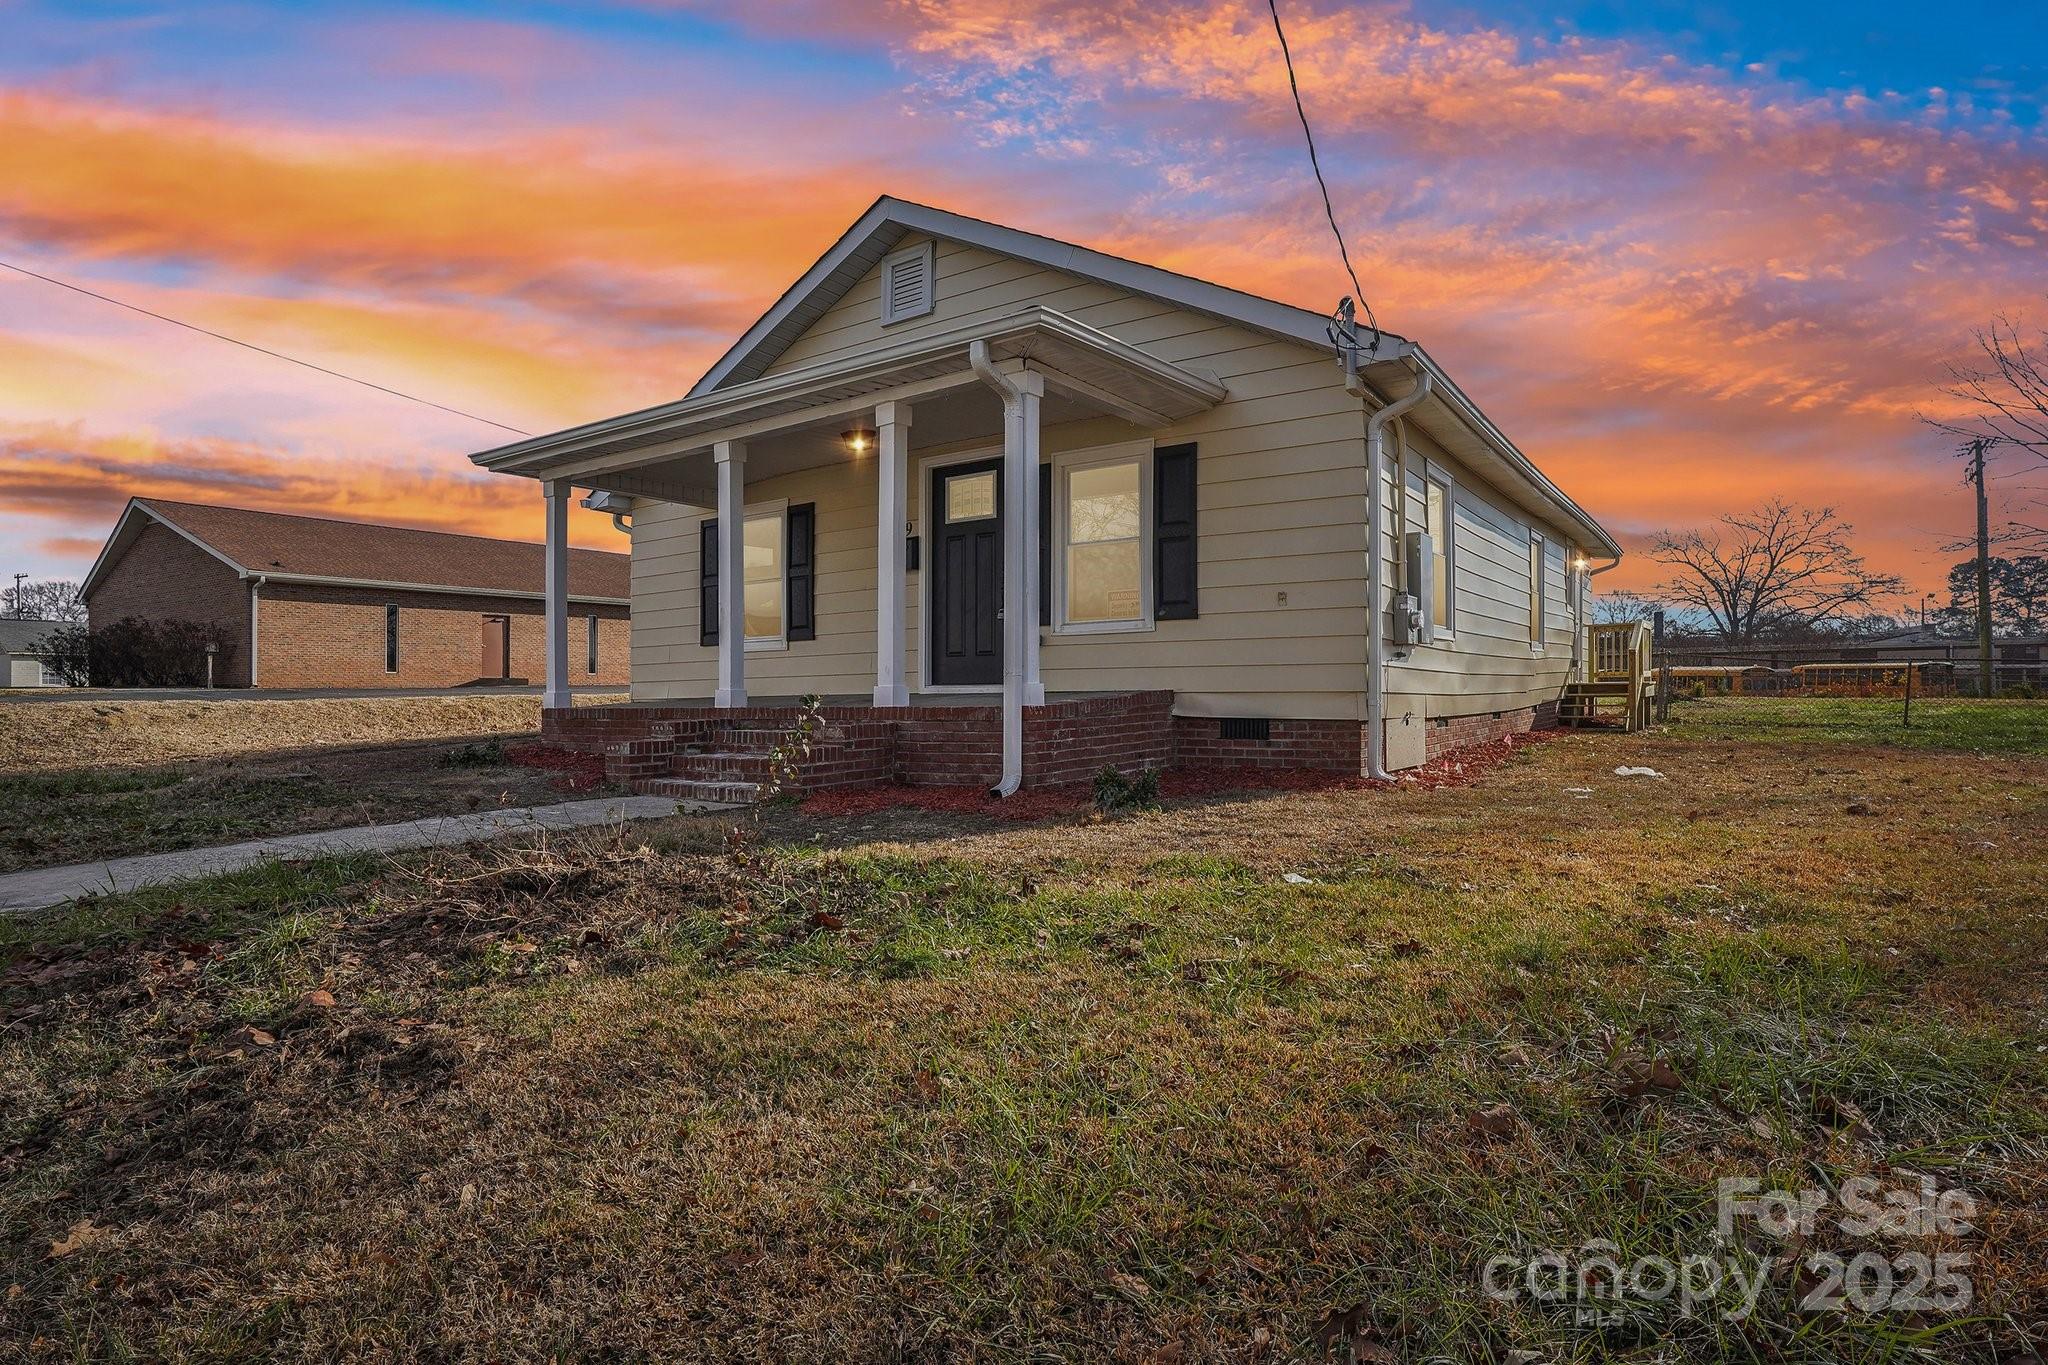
(691, 789)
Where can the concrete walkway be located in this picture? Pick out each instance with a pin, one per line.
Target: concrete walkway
(39, 888)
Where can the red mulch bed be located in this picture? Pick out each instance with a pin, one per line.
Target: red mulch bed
(1175, 784)
(575, 772)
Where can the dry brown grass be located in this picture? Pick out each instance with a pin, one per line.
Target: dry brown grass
(1105, 1091)
(49, 736)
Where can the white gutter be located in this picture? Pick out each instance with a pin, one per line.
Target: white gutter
(1375, 567)
(1013, 587)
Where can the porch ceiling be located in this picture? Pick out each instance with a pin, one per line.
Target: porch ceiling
(792, 419)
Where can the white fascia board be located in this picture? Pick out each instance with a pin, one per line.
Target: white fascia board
(1265, 315)
(387, 585)
(1469, 413)
(119, 538)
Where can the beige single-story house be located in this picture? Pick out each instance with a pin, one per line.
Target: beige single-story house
(1019, 509)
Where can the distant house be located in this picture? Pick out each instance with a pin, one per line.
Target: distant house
(316, 602)
(18, 639)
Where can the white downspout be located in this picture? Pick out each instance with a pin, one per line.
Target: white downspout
(1375, 569)
(1580, 664)
(1013, 596)
(255, 627)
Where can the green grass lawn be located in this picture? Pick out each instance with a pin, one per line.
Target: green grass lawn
(1999, 727)
(1116, 1090)
(48, 819)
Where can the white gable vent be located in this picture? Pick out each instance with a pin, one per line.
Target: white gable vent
(907, 283)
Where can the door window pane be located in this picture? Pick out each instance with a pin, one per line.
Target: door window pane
(764, 564)
(971, 497)
(1104, 525)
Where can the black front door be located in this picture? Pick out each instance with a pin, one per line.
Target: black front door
(967, 574)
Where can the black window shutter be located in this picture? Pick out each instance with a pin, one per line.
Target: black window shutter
(1173, 534)
(1045, 545)
(801, 585)
(707, 576)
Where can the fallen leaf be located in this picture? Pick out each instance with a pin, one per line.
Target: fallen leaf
(82, 1234)
(1130, 1286)
(522, 948)
(1495, 1120)
(1408, 947)
(825, 919)
(318, 999)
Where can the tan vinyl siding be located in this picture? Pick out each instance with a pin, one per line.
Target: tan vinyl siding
(1282, 506)
(1488, 664)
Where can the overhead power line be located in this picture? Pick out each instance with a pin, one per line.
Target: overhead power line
(1316, 165)
(252, 346)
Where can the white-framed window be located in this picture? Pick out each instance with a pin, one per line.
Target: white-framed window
(1102, 540)
(1442, 514)
(765, 559)
(1536, 590)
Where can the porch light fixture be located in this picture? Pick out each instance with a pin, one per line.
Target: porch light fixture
(860, 440)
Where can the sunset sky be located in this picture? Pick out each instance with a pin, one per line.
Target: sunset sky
(1687, 255)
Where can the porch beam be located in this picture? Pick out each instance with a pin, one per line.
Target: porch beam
(731, 459)
(555, 615)
(892, 485)
(821, 414)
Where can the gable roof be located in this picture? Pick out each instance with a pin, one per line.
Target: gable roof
(19, 635)
(888, 220)
(296, 549)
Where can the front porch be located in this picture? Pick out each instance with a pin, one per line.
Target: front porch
(980, 392)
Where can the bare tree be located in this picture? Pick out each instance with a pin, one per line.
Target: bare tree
(1621, 605)
(54, 599)
(2005, 389)
(1779, 566)
(2002, 394)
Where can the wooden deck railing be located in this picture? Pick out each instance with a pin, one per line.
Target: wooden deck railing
(1619, 652)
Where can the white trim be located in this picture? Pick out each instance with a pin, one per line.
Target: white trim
(754, 511)
(925, 254)
(1433, 472)
(135, 506)
(925, 465)
(888, 220)
(1063, 465)
(1539, 591)
(387, 585)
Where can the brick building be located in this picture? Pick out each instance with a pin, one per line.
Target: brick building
(314, 602)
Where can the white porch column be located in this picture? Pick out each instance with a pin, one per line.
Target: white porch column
(731, 459)
(1030, 389)
(556, 589)
(892, 474)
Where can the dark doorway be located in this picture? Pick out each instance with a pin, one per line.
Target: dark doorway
(496, 659)
(967, 574)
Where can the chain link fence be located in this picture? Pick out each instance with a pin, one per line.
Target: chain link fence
(1936, 702)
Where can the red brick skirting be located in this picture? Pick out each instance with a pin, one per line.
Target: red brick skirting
(1064, 742)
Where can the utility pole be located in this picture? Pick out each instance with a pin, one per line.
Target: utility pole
(18, 608)
(1983, 569)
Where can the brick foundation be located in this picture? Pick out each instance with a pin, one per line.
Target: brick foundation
(1064, 742)
(1459, 732)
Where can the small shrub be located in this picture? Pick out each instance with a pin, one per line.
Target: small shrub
(2020, 691)
(133, 652)
(1115, 793)
(488, 753)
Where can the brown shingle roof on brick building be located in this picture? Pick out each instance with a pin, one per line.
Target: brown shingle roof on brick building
(280, 545)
